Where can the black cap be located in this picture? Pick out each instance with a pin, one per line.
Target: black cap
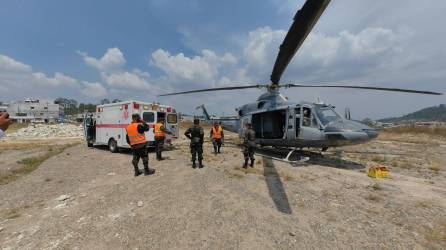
(136, 117)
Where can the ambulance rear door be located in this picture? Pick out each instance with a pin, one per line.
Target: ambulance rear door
(172, 125)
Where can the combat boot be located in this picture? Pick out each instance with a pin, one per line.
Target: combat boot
(200, 164)
(149, 171)
(246, 164)
(252, 163)
(137, 172)
(194, 165)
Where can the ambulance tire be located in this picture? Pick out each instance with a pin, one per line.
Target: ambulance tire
(112, 145)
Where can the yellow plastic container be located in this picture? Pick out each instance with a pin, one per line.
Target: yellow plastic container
(379, 171)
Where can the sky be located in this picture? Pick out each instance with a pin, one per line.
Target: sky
(89, 50)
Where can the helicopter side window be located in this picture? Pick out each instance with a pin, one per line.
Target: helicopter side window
(306, 117)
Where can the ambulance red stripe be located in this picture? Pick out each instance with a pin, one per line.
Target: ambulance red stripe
(117, 125)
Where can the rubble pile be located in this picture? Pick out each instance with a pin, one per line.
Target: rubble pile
(48, 131)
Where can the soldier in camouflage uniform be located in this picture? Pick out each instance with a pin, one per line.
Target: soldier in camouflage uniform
(249, 145)
(196, 136)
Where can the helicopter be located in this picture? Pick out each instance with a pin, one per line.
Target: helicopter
(281, 123)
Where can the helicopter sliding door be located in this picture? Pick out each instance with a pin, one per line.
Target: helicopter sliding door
(270, 125)
(309, 126)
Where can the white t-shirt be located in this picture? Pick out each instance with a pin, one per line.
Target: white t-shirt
(1, 133)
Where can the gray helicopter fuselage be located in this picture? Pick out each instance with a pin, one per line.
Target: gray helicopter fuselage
(279, 122)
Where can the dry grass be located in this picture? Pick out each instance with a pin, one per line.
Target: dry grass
(13, 213)
(436, 131)
(375, 186)
(437, 235)
(30, 164)
(378, 159)
(435, 166)
(16, 126)
(373, 197)
(404, 164)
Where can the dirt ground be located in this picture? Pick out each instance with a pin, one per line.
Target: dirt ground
(87, 198)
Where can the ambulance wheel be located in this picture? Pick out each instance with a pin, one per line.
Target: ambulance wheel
(113, 146)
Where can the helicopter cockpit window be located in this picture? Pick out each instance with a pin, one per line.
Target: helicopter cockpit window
(326, 115)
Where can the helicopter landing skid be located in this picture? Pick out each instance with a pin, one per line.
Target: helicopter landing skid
(294, 156)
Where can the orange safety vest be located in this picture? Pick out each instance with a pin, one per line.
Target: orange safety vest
(216, 133)
(135, 137)
(158, 132)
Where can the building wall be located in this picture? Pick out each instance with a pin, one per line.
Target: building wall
(35, 111)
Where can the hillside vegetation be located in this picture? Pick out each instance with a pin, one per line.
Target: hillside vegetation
(435, 113)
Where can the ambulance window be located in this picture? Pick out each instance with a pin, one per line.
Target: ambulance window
(148, 117)
(172, 118)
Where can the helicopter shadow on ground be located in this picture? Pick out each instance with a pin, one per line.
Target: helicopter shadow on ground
(332, 161)
(275, 187)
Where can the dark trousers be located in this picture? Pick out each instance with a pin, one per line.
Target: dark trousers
(140, 152)
(217, 145)
(196, 149)
(248, 152)
(159, 144)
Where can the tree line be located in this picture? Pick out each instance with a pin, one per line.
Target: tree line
(72, 107)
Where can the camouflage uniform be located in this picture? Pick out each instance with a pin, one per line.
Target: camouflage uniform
(249, 145)
(196, 136)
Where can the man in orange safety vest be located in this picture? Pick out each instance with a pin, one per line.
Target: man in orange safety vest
(160, 135)
(137, 140)
(217, 137)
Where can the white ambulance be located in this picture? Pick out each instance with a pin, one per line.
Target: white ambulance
(108, 127)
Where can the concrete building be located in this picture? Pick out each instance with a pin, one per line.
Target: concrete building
(35, 111)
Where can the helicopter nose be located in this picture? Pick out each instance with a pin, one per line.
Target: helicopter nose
(371, 133)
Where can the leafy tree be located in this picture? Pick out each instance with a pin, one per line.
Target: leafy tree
(105, 101)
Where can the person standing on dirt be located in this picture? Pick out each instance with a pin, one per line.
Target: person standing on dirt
(137, 141)
(196, 136)
(249, 145)
(217, 137)
(160, 136)
(4, 123)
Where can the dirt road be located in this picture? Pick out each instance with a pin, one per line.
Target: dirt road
(88, 198)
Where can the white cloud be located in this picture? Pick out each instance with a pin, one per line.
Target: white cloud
(336, 57)
(127, 80)
(93, 89)
(19, 79)
(10, 65)
(201, 69)
(113, 59)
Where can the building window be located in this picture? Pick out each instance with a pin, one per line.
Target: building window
(32, 107)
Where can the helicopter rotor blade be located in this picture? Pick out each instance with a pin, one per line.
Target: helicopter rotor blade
(303, 23)
(363, 87)
(218, 89)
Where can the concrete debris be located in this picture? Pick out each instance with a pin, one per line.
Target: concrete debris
(60, 206)
(114, 216)
(63, 197)
(35, 131)
(140, 203)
